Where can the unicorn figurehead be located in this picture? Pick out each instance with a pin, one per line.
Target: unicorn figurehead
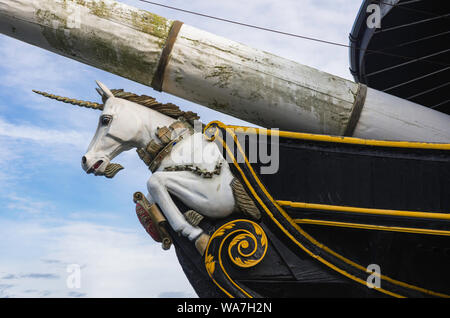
(131, 121)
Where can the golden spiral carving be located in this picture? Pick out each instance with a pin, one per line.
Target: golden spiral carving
(245, 244)
(248, 249)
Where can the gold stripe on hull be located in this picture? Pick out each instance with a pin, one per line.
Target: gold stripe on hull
(373, 227)
(339, 208)
(339, 139)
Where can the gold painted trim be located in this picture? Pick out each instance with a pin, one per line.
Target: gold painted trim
(240, 243)
(209, 258)
(300, 230)
(223, 268)
(343, 140)
(340, 208)
(373, 227)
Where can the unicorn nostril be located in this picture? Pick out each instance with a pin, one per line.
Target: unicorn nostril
(83, 160)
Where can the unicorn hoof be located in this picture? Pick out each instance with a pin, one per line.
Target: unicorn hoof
(201, 243)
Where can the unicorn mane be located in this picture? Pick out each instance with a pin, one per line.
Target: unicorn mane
(168, 109)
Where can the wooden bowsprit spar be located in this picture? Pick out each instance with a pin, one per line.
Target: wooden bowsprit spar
(215, 72)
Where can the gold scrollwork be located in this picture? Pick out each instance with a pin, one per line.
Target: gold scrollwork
(248, 249)
(246, 244)
(210, 264)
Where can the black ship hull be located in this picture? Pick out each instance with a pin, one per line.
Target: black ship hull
(341, 217)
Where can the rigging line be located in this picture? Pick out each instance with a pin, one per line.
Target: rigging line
(406, 63)
(416, 79)
(287, 33)
(440, 104)
(428, 91)
(401, 6)
(412, 23)
(245, 24)
(430, 37)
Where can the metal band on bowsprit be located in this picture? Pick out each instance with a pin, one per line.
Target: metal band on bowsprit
(358, 105)
(158, 78)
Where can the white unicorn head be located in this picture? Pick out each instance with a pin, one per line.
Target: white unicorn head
(120, 128)
(123, 125)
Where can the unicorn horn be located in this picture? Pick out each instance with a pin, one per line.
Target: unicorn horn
(71, 100)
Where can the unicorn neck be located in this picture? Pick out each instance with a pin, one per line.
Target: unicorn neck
(151, 122)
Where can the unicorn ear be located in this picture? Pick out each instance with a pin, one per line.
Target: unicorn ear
(106, 92)
(99, 91)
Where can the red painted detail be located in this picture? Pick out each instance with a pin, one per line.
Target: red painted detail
(146, 221)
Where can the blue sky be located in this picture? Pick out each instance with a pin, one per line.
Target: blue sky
(52, 214)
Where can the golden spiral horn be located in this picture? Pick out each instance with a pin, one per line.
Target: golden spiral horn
(72, 101)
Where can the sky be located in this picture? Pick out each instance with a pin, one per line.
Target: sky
(53, 216)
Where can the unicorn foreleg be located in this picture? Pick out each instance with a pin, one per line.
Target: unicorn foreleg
(158, 188)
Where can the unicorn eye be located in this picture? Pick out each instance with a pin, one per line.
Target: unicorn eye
(105, 120)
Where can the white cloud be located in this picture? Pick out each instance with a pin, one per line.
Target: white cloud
(27, 206)
(115, 262)
(26, 149)
(43, 135)
(23, 66)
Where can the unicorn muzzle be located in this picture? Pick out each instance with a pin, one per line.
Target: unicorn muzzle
(100, 167)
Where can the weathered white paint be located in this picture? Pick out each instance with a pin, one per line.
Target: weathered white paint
(106, 34)
(218, 73)
(387, 117)
(257, 86)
